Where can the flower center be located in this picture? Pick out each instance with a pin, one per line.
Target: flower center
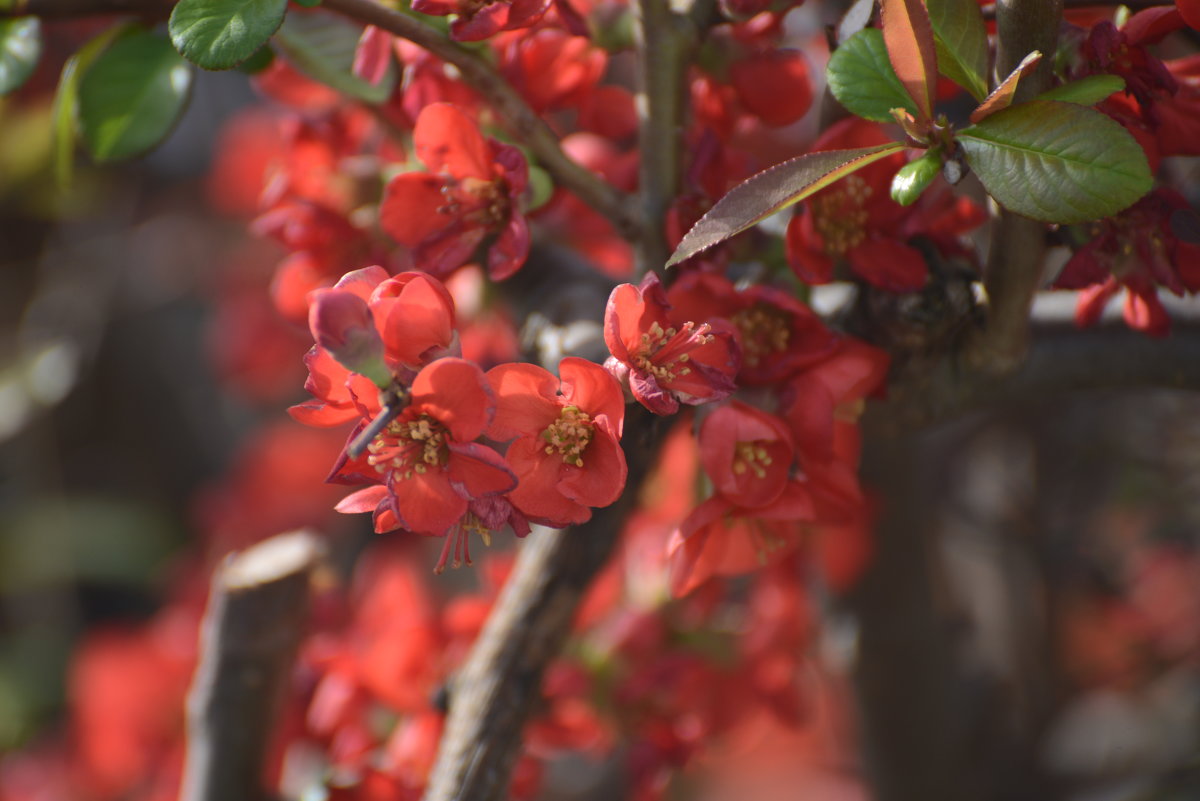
(569, 435)
(664, 353)
(840, 214)
(752, 456)
(477, 201)
(765, 331)
(409, 446)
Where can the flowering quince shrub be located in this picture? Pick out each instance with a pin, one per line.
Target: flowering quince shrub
(436, 180)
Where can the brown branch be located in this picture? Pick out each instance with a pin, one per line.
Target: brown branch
(526, 125)
(1061, 359)
(989, 11)
(1014, 265)
(67, 9)
(256, 616)
(492, 697)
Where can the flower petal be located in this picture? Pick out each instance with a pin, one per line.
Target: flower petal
(455, 392)
(411, 210)
(477, 470)
(446, 140)
(427, 503)
(593, 389)
(537, 494)
(602, 478)
(526, 400)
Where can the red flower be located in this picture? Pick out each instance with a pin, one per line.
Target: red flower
(773, 85)
(1136, 250)
(720, 538)
(856, 220)
(553, 69)
(427, 460)
(567, 455)
(666, 361)
(749, 456)
(747, 453)
(479, 19)
(473, 189)
(413, 315)
(776, 333)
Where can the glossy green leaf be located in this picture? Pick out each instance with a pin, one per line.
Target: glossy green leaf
(914, 177)
(911, 49)
(20, 48)
(132, 96)
(862, 79)
(1086, 91)
(66, 99)
(771, 190)
(1057, 162)
(220, 34)
(259, 61)
(962, 43)
(322, 46)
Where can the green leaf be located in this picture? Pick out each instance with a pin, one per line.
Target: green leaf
(132, 96)
(20, 48)
(541, 188)
(1086, 91)
(962, 43)
(66, 99)
(771, 190)
(220, 34)
(322, 46)
(913, 178)
(259, 61)
(862, 79)
(1057, 162)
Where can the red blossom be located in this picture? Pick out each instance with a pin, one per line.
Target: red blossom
(567, 453)
(1136, 250)
(856, 221)
(553, 69)
(478, 19)
(472, 191)
(747, 453)
(413, 315)
(776, 333)
(426, 459)
(720, 538)
(773, 85)
(665, 360)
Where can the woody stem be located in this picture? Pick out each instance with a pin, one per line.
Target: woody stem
(1013, 271)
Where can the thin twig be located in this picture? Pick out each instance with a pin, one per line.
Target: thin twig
(526, 125)
(256, 617)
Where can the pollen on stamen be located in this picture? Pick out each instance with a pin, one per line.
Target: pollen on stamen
(569, 435)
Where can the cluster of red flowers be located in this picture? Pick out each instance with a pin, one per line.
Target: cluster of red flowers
(1139, 250)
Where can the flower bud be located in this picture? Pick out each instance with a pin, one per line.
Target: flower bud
(342, 324)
